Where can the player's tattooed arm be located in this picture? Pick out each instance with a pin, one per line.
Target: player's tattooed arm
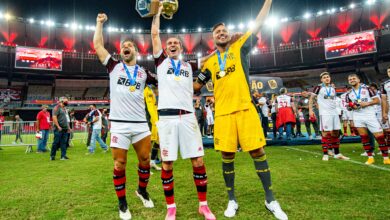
(385, 108)
(311, 112)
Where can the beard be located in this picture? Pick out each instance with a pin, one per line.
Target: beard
(224, 44)
(127, 60)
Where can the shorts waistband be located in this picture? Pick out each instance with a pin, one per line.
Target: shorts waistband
(171, 112)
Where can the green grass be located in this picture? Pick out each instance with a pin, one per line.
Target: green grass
(32, 187)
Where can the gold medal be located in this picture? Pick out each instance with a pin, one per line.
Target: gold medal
(132, 88)
(222, 74)
(177, 78)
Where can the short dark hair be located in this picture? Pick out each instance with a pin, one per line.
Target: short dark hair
(131, 41)
(324, 74)
(94, 105)
(283, 90)
(374, 85)
(354, 75)
(217, 25)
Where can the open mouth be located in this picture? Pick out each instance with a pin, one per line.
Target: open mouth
(222, 37)
(126, 52)
(173, 50)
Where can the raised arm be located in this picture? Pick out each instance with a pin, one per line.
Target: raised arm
(261, 16)
(98, 42)
(155, 31)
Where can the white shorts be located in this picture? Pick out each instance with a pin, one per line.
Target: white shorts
(330, 123)
(385, 125)
(179, 131)
(124, 134)
(210, 119)
(372, 124)
(346, 116)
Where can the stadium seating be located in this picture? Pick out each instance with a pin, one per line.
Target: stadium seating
(39, 92)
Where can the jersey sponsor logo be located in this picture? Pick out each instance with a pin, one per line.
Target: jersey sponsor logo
(229, 70)
(183, 72)
(126, 82)
(200, 149)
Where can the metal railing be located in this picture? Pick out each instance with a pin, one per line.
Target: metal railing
(24, 134)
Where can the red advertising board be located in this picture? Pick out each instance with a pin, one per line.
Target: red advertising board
(37, 58)
(350, 45)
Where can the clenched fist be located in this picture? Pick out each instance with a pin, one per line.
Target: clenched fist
(101, 18)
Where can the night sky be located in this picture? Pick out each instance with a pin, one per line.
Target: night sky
(191, 14)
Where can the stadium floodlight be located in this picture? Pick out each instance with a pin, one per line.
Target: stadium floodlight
(231, 26)
(169, 30)
(342, 9)
(139, 30)
(320, 13)
(86, 27)
(149, 57)
(73, 26)
(80, 27)
(49, 23)
(183, 30)
(250, 24)
(333, 10)
(307, 15)
(271, 22)
(122, 29)
(352, 6)
(241, 26)
(139, 57)
(1, 14)
(254, 50)
(284, 19)
(370, 2)
(7, 16)
(133, 30)
(31, 20)
(92, 28)
(42, 22)
(180, 57)
(199, 29)
(199, 55)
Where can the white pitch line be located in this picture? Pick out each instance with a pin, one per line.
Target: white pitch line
(351, 161)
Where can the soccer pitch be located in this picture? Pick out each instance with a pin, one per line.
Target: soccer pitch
(32, 187)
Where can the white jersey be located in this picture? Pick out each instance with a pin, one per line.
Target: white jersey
(174, 94)
(208, 110)
(273, 110)
(283, 101)
(126, 105)
(385, 90)
(366, 95)
(96, 114)
(344, 104)
(264, 107)
(326, 99)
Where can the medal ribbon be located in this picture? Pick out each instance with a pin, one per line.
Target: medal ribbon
(176, 69)
(132, 79)
(222, 63)
(328, 92)
(357, 95)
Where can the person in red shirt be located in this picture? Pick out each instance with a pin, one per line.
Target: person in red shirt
(43, 126)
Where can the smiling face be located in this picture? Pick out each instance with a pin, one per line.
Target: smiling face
(353, 80)
(174, 47)
(221, 35)
(128, 51)
(388, 71)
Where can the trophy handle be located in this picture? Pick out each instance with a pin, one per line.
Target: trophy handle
(167, 16)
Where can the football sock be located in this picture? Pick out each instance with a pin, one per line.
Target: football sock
(168, 185)
(383, 147)
(345, 130)
(143, 176)
(229, 175)
(264, 173)
(200, 179)
(324, 143)
(366, 145)
(120, 185)
(336, 145)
